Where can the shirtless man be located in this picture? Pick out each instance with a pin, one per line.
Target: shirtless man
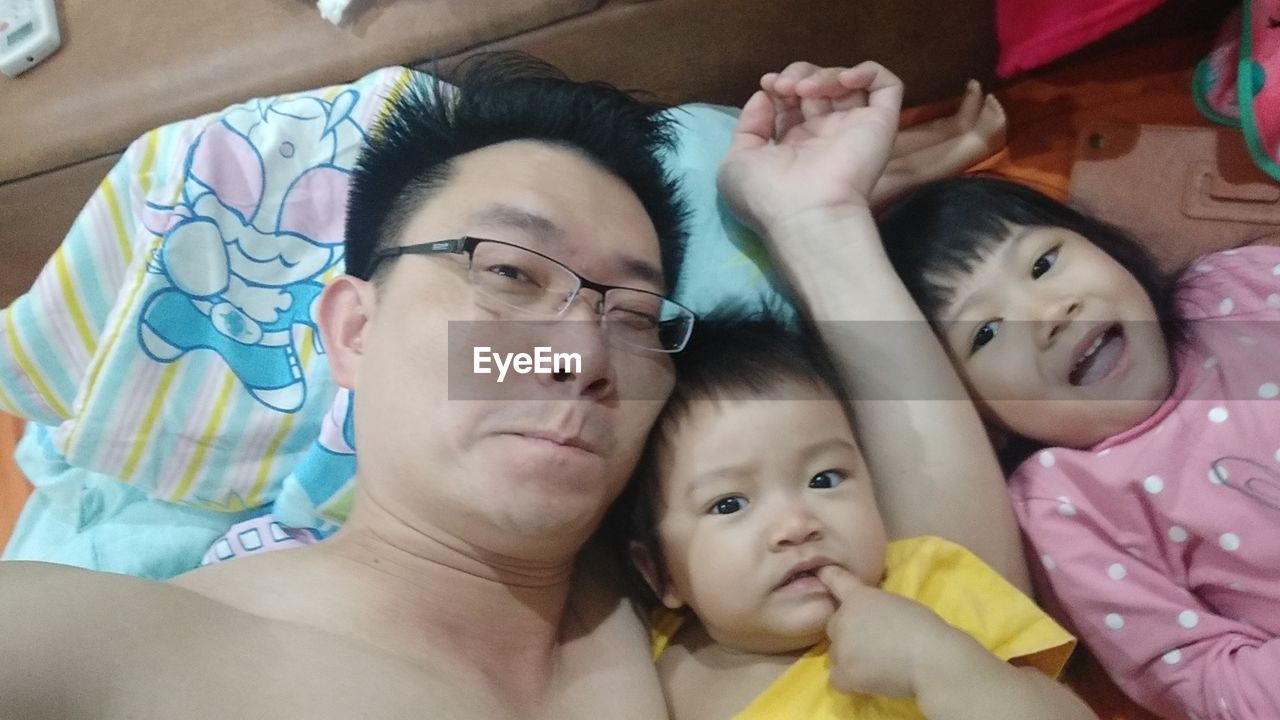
(448, 592)
(451, 591)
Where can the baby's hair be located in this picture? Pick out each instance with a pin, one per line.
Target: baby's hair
(940, 231)
(732, 355)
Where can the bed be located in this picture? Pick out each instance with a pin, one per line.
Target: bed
(1140, 75)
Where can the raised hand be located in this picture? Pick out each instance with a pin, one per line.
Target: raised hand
(811, 139)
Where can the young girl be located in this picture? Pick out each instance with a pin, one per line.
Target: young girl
(753, 518)
(1143, 408)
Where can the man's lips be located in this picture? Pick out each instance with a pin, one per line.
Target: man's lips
(569, 441)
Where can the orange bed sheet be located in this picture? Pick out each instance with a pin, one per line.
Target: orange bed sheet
(1149, 83)
(14, 487)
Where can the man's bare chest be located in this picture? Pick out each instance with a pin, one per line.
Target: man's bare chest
(275, 670)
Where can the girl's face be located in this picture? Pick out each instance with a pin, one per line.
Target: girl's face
(1056, 341)
(755, 496)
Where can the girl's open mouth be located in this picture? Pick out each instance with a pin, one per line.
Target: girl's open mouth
(1100, 358)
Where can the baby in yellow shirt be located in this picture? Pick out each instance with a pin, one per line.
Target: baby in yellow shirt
(753, 531)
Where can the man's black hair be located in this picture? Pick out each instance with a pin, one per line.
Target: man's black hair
(732, 355)
(502, 97)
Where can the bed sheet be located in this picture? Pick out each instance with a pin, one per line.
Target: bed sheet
(14, 487)
(1149, 83)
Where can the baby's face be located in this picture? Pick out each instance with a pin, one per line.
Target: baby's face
(755, 495)
(1056, 340)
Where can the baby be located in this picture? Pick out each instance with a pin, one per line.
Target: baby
(754, 530)
(1142, 409)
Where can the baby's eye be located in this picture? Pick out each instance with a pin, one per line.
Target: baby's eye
(1044, 262)
(826, 479)
(728, 505)
(985, 334)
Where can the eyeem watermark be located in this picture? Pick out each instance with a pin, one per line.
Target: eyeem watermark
(541, 362)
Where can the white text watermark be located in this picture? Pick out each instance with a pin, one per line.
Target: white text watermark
(542, 362)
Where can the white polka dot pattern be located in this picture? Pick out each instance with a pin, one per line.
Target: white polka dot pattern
(1065, 508)
(1154, 520)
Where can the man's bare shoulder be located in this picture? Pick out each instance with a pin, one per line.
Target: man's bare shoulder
(106, 646)
(49, 610)
(30, 591)
(68, 624)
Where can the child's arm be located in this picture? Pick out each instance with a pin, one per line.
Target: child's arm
(885, 644)
(961, 680)
(807, 152)
(943, 147)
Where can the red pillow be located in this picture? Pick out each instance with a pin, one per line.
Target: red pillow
(1033, 32)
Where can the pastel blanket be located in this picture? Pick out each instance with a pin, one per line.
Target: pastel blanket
(169, 342)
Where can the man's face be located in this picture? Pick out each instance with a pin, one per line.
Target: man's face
(533, 472)
(755, 495)
(1056, 340)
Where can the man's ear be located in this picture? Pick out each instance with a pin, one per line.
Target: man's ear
(343, 313)
(653, 577)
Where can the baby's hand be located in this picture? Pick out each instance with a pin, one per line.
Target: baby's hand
(877, 638)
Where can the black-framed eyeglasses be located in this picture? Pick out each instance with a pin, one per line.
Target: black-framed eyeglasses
(510, 277)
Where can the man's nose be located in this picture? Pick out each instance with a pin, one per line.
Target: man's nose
(580, 333)
(1054, 316)
(795, 525)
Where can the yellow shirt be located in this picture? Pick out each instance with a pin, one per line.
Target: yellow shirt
(946, 578)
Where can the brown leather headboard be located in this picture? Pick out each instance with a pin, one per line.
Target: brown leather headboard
(129, 65)
(716, 50)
